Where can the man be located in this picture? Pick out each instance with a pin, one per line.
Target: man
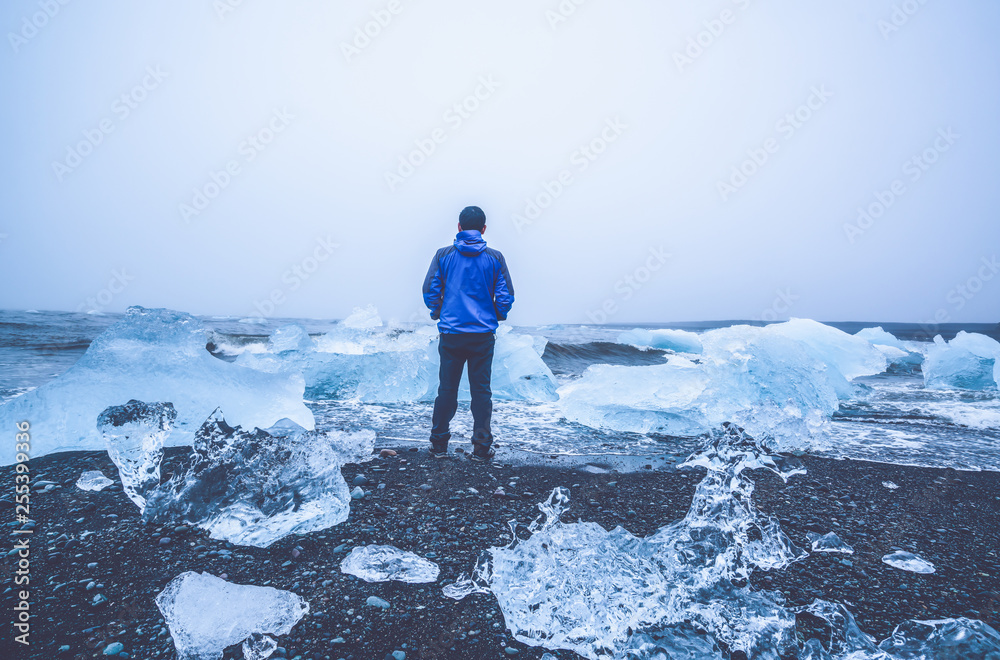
(468, 291)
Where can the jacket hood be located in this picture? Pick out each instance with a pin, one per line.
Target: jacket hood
(470, 242)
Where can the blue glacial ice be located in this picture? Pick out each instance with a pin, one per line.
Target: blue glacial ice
(363, 361)
(609, 595)
(679, 341)
(93, 480)
(256, 487)
(134, 434)
(895, 350)
(970, 361)
(782, 381)
(382, 563)
(206, 614)
(907, 561)
(829, 542)
(150, 355)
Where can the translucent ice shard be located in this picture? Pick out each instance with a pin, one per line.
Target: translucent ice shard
(610, 594)
(255, 487)
(846, 639)
(970, 361)
(907, 561)
(679, 341)
(133, 434)
(289, 338)
(259, 647)
(150, 355)
(93, 480)
(381, 563)
(829, 542)
(945, 639)
(895, 350)
(206, 614)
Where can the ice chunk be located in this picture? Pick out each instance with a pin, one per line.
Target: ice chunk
(255, 487)
(363, 362)
(259, 647)
(963, 638)
(852, 356)
(290, 338)
(907, 561)
(763, 381)
(133, 434)
(363, 318)
(206, 614)
(603, 594)
(970, 361)
(679, 341)
(93, 480)
(150, 355)
(847, 641)
(896, 351)
(381, 563)
(890, 485)
(829, 542)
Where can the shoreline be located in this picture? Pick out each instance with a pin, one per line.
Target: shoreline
(949, 517)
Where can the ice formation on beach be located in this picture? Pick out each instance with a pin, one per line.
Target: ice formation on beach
(382, 563)
(259, 647)
(907, 561)
(604, 594)
(206, 614)
(783, 381)
(361, 360)
(134, 434)
(970, 361)
(829, 542)
(150, 355)
(895, 350)
(93, 480)
(684, 592)
(255, 487)
(679, 341)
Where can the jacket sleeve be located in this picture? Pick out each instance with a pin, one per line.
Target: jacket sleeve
(503, 296)
(434, 287)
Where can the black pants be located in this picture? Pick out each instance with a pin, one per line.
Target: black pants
(456, 350)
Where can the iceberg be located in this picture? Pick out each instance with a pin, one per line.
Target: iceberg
(850, 355)
(359, 360)
(381, 563)
(134, 436)
(970, 361)
(907, 561)
(150, 355)
(679, 341)
(968, 639)
(206, 614)
(93, 480)
(256, 487)
(897, 352)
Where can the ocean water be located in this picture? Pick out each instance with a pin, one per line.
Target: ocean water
(892, 419)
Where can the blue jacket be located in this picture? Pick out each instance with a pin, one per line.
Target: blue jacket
(468, 287)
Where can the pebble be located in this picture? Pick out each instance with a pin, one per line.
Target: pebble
(358, 493)
(165, 540)
(511, 651)
(114, 648)
(375, 601)
(386, 453)
(398, 655)
(360, 480)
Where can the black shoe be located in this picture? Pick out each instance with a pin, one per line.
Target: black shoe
(439, 448)
(482, 454)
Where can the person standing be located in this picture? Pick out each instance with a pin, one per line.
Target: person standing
(468, 291)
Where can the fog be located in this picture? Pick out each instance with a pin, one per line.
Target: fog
(638, 161)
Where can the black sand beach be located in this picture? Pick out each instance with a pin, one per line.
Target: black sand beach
(92, 545)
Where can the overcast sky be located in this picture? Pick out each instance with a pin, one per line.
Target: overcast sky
(638, 161)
